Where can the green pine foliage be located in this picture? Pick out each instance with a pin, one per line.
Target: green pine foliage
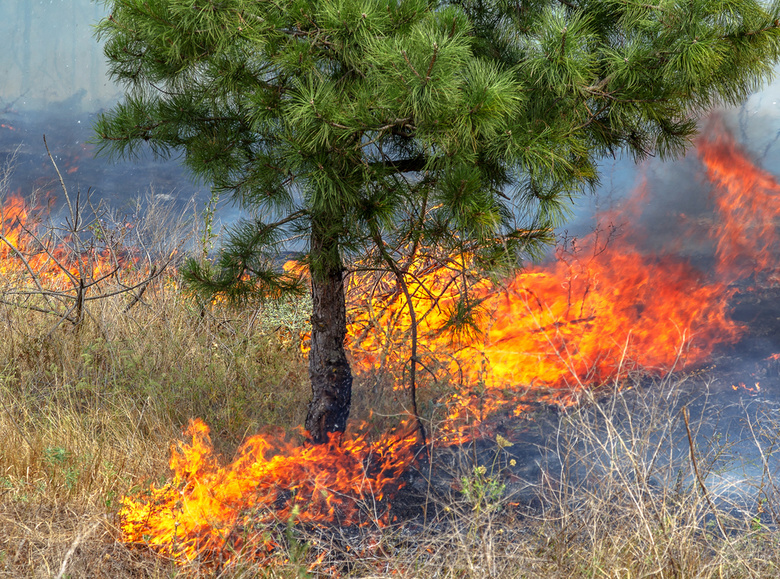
(466, 123)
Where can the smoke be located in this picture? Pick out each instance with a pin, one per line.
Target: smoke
(55, 82)
(51, 57)
(678, 194)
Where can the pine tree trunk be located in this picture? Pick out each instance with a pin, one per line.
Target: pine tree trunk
(329, 371)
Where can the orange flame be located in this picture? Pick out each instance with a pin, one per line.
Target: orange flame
(208, 509)
(754, 390)
(553, 330)
(51, 263)
(746, 199)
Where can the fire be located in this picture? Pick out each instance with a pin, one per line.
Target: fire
(754, 390)
(552, 331)
(209, 510)
(28, 253)
(746, 199)
(595, 314)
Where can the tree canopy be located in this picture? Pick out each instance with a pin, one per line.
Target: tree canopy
(395, 123)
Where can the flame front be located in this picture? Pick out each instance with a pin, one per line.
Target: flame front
(587, 317)
(208, 509)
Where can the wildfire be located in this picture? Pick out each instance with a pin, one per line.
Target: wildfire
(590, 316)
(550, 332)
(595, 314)
(208, 509)
(754, 390)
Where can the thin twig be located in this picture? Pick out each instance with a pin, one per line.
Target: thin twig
(399, 276)
(27, 265)
(80, 537)
(696, 472)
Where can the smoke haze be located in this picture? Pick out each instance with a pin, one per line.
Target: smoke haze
(55, 82)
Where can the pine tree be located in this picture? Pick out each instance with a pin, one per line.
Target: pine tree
(403, 122)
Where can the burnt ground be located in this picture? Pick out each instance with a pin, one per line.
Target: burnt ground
(759, 309)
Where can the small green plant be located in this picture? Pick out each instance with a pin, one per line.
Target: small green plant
(61, 461)
(57, 455)
(297, 549)
(483, 488)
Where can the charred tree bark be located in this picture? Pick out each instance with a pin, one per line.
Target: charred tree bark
(329, 371)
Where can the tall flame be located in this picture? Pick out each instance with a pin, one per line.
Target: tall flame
(594, 315)
(746, 200)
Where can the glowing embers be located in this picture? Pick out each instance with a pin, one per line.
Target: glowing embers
(742, 387)
(210, 511)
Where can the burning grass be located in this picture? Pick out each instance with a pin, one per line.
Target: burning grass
(89, 405)
(561, 444)
(617, 491)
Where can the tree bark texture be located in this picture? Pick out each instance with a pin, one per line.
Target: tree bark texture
(329, 371)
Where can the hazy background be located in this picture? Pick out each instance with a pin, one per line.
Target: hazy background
(50, 55)
(54, 83)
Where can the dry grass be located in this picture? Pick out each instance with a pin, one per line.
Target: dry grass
(88, 413)
(87, 416)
